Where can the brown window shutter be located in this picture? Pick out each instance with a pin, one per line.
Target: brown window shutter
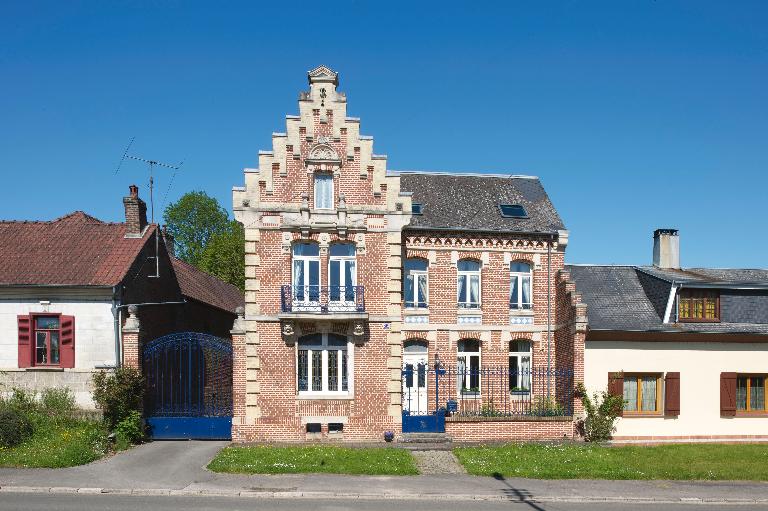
(672, 394)
(68, 341)
(25, 341)
(616, 386)
(728, 394)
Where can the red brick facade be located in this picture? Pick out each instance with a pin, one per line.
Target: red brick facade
(278, 209)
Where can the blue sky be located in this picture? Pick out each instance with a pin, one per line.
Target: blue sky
(635, 114)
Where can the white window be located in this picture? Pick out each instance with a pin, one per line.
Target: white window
(468, 285)
(416, 281)
(323, 365)
(342, 273)
(323, 191)
(520, 366)
(520, 291)
(306, 276)
(468, 366)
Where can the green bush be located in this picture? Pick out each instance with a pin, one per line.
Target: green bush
(58, 403)
(131, 429)
(118, 394)
(546, 407)
(602, 410)
(14, 427)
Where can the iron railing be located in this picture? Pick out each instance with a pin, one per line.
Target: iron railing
(322, 299)
(487, 392)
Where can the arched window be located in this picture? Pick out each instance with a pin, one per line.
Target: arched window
(520, 289)
(322, 364)
(306, 275)
(468, 284)
(323, 191)
(416, 283)
(342, 273)
(468, 366)
(520, 366)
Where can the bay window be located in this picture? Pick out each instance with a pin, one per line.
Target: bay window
(468, 284)
(323, 366)
(520, 289)
(416, 281)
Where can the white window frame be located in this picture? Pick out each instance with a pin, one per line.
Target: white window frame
(342, 260)
(519, 355)
(467, 376)
(468, 274)
(330, 178)
(305, 303)
(516, 303)
(417, 275)
(324, 349)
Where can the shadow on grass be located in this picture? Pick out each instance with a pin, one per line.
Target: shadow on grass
(517, 494)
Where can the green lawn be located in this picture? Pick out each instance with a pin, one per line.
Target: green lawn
(570, 461)
(313, 459)
(58, 444)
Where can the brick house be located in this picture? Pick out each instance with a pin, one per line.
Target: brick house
(375, 297)
(686, 347)
(65, 288)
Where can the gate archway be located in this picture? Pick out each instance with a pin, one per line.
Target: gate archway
(188, 386)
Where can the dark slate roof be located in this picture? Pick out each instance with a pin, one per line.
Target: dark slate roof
(471, 202)
(715, 276)
(205, 288)
(634, 298)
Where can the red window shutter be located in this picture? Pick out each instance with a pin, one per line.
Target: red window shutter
(616, 386)
(728, 394)
(67, 341)
(672, 394)
(25, 341)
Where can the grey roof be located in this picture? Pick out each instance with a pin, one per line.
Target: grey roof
(632, 298)
(729, 276)
(471, 202)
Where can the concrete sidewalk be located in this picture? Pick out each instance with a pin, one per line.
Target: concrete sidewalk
(178, 468)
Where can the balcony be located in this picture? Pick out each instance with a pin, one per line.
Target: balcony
(323, 299)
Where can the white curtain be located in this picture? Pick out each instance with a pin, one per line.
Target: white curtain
(630, 394)
(298, 279)
(422, 283)
(526, 287)
(525, 372)
(323, 191)
(462, 288)
(474, 289)
(649, 393)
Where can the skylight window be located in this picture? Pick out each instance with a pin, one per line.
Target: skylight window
(513, 211)
(416, 208)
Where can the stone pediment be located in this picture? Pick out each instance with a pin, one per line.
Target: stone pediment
(323, 74)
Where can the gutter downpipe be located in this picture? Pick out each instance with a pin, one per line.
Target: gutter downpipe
(549, 316)
(116, 314)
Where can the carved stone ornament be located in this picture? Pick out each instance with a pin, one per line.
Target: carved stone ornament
(289, 332)
(358, 330)
(323, 152)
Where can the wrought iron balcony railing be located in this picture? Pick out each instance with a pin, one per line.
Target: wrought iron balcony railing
(322, 299)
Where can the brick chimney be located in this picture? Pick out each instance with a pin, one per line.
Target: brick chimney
(666, 249)
(135, 213)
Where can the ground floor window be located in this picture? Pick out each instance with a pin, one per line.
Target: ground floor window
(642, 393)
(323, 364)
(519, 366)
(468, 366)
(750, 393)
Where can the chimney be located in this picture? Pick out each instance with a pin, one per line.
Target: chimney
(666, 248)
(169, 242)
(135, 213)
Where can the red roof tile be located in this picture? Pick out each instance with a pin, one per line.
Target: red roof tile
(74, 250)
(200, 286)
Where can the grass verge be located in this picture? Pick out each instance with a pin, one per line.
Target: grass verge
(313, 459)
(569, 461)
(56, 444)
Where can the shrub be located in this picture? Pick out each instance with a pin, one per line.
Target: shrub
(602, 410)
(546, 407)
(130, 430)
(14, 427)
(58, 403)
(118, 394)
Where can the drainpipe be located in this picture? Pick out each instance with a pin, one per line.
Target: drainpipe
(549, 316)
(116, 321)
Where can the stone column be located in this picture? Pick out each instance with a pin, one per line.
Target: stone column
(131, 329)
(238, 374)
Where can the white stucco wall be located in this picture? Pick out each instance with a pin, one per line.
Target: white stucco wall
(699, 364)
(94, 337)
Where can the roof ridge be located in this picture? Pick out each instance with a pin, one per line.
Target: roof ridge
(499, 175)
(75, 213)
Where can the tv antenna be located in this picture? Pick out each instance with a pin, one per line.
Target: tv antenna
(151, 164)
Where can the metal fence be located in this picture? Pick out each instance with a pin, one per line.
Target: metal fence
(487, 392)
(323, 299)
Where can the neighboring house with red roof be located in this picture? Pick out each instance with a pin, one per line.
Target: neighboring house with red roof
(65, 285)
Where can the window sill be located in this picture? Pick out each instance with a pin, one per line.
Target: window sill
(641, 415)
(466, 311)
(324, 396)
(521, 312)
(44, 368)
(415, 311)
(743, 413)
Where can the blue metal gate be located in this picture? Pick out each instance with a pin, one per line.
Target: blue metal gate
(420, 413)
(189, 387)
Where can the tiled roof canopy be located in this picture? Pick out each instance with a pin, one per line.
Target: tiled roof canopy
(471, 202)
(74, 250)
(200, 286)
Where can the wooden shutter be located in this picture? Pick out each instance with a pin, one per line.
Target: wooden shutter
(728, 394)
(616, 386)
(672, 394)
(25, 341)
(67, 341)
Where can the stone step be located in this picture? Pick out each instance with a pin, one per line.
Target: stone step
(425, 438)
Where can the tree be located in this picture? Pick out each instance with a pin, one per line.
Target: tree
(193, 220)
(224, 255)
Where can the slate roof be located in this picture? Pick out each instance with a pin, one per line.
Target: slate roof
(74, 250)
(634, 298)
(471, 202)
(205, 288)
(710, 275)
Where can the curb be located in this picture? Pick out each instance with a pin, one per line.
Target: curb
(168, 492)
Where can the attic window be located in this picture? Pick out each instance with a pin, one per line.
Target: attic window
(513, 211)
(417, 208)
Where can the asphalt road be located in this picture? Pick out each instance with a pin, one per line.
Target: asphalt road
(47, 502)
